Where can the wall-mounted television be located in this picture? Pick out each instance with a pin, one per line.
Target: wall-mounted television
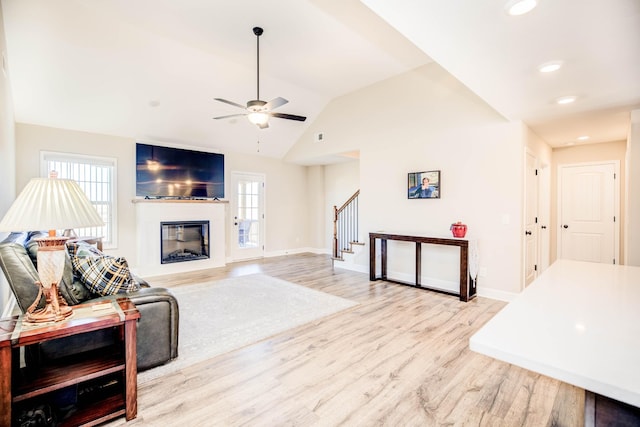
(166, 172)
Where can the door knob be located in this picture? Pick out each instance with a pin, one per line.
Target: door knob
(544, 227)
(565, 226)
(528, 233)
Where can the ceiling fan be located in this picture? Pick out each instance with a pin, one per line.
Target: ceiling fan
(258, 111)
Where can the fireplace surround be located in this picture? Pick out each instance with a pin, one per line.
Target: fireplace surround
(149, 215)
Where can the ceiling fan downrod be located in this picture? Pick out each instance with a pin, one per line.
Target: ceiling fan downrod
(258, 32)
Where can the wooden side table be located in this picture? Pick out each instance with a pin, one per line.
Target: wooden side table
(36, 384)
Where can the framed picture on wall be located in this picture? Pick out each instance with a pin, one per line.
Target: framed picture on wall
(424, 185)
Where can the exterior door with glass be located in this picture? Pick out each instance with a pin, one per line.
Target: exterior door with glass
(247, 226)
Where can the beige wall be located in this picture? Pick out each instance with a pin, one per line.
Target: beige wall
(586, 153)
(341, 181)
(286, 184)
(632, 223)
(32, 139)
(425, 120)
(286, 209)
(7, 152)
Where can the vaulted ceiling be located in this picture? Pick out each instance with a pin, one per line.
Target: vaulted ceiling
(149, 69)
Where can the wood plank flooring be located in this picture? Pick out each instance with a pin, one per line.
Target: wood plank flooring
(399, 358)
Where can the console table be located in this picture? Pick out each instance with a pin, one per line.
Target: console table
(467, 283)
(115, 365)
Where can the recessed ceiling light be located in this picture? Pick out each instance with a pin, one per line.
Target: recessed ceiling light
(520, 7)
(566, 100)
(550, 67)
(583, 138)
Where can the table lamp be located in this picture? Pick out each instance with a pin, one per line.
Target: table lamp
(50, 204)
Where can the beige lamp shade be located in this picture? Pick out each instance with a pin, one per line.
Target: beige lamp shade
(50, 204)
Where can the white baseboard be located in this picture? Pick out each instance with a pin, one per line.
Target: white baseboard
(484, 292)
(351, 266)
(284, 252)
(496, 294)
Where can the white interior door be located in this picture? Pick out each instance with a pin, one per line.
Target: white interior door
(531, 221)
(247, 219)
(544, 217)
(588, 212)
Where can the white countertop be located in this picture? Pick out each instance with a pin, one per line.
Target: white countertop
(578, 322)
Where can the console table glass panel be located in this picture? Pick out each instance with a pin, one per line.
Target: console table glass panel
(467, 283)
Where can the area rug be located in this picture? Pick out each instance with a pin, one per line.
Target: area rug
(220, 316)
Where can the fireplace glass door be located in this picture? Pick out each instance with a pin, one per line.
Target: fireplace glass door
(184, 241)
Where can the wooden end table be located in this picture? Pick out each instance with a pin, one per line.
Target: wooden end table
(20, 386)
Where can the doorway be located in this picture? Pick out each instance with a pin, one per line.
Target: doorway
(531, 218)
(247, 208)
(588, 212)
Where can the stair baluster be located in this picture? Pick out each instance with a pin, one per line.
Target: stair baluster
(345, 226)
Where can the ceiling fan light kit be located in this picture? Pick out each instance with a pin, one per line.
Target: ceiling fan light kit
(259, 111)
(259, 119)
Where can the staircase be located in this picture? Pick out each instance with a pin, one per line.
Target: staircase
(345, 227)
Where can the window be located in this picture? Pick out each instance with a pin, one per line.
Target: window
(96, 176)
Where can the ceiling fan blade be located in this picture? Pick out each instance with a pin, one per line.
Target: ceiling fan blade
(231, 103)
(229, 116)
(275, 103)
(288, 116)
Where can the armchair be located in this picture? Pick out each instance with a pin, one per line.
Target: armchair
(157, 334)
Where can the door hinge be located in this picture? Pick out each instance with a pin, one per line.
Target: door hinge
(536, 220)
(614, 218)
(535, 267)
(614, 176)
(614, 261)
(536, 172)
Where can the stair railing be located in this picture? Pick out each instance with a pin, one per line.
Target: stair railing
(345, 226)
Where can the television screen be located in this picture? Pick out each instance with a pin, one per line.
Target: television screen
(178, 173)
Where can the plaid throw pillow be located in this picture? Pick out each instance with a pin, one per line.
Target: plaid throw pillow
(101, 274)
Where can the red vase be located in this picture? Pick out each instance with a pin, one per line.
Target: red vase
(458, 229)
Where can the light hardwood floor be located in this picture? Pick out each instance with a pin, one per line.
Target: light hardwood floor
(399, 358)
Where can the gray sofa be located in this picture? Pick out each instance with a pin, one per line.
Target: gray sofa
(157, 332)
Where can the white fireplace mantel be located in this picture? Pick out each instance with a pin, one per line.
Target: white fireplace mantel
(151, 212)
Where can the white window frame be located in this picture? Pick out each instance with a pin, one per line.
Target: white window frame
(108, 241)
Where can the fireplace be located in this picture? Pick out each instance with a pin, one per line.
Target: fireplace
(182, 241)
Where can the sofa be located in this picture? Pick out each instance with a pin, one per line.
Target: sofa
(157, 329)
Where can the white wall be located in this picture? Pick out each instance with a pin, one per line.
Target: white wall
(425, 120)
(7, 152)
